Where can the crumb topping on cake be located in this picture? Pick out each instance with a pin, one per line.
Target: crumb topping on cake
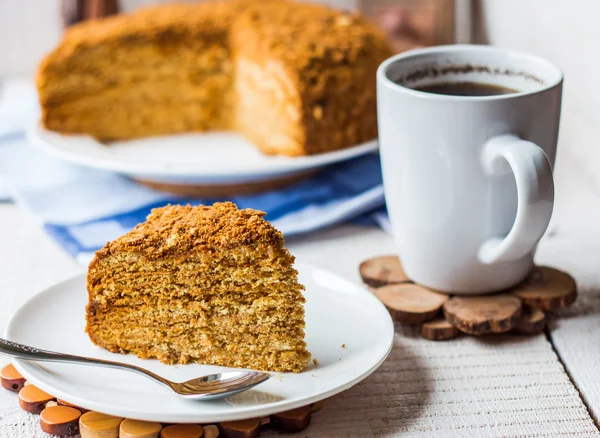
(302, 33)
(178, 229)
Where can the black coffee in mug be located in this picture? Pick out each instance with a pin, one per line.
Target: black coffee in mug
(466, 89)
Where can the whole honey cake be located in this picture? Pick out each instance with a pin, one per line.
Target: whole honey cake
(208, 284)
(293, 78)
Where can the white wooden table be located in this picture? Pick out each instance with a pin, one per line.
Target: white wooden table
(495, 386)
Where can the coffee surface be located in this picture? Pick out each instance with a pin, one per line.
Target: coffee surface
(466, 89)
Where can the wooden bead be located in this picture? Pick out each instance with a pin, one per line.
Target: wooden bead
(546, 289)
(11, 379)
(97, 425)
(438, 330)
(531, 322)
(139, 429)
(411, 303)
(240, 429)
(211, 431)
(317, 406)
(294, 420)
(61, 402)
(483, 314)
(182, 431)
(32, 399)
(60, 420)
(380, 271)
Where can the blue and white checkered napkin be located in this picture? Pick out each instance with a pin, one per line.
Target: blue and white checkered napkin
(83, 208)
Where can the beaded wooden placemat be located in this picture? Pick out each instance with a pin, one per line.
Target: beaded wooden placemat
(61, 418)
(522, 308)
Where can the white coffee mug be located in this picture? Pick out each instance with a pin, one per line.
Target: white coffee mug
(468, 180)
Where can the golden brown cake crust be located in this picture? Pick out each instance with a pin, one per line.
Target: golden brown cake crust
(179, 229)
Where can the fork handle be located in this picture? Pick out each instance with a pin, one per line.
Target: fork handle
(21, 351)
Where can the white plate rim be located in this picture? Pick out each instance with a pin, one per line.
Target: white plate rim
(41, 138)
(24, 367)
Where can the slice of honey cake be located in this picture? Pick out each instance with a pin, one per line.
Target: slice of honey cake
(207, 284)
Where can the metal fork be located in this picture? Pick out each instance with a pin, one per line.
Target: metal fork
(207, 387)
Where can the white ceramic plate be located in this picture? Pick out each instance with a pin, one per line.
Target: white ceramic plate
(197, 158)
(337, 312)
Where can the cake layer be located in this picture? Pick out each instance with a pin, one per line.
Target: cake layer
(215, 335)
(201, 275)
(227, 317)
(179, 350)
(225, 340)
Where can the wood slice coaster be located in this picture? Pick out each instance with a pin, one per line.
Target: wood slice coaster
(220, 190)
(182, 431)
(11, 379)
(381, 271)
(317, 406)
(60, 421)
(97, 425)
(438, 330)
(531, 322)
(33, 400)
(546, 289)
(522, 307)
(483, 314)
(240, 429)
(139, 429)
(65, 420)
(411, 303)
(294, 420)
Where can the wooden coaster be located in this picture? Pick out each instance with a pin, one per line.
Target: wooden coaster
(182, 431)
(531, 322)
(240, 429)
(381, 271)
(294, 420)
(438, 330)
(411, 303)
(33, 400)
(546, 289)
(97, 425)
(64, 420)
(60, 420)
(139, 429)
(221, 190)
(483, 314)
(11, 379)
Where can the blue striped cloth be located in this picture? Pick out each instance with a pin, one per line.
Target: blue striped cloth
(83, 208)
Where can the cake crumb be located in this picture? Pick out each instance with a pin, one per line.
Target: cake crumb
(316, 362)
(343, 345)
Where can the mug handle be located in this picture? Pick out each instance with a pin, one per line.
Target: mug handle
(535, 193)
